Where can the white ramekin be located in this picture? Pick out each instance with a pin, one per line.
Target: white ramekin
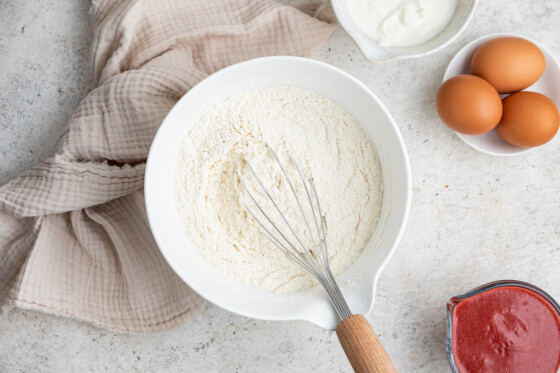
(376, 53)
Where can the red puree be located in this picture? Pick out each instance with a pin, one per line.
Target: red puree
(506, 329)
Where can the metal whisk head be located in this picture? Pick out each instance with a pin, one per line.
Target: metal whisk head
(310, 254)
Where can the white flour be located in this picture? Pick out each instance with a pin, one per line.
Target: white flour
(326, 142)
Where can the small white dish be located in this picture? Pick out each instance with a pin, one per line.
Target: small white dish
(375, 53)
(548, 85)
(358, 282)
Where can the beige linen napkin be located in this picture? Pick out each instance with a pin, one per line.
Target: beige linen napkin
(74, 238)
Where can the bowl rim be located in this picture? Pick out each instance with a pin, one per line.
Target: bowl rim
(455, 59)
(193, 91)
(363, 45)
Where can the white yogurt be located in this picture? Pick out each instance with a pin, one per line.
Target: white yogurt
(401, 23)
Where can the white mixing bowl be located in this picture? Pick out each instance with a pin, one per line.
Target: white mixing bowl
(358, 282)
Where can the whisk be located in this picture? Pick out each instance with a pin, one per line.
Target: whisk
(362, 347)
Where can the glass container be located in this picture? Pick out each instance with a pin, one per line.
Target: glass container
(455, 301)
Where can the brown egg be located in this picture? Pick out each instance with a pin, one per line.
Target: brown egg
(510, 64)
(529, 119)
(469, 105)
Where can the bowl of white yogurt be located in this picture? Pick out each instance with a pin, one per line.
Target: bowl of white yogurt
(392, 30)
(341, 135)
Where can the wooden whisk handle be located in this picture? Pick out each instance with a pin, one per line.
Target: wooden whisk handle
(362, 347)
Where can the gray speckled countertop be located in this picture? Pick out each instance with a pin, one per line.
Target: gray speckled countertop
(474, 218)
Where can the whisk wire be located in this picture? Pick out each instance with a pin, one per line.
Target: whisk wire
(305, 252)
(295, 194)
(325, 256)
(305, 255)
(315, 262)
(271, 236)
(281, 246)
(321, 239)
(325, 268)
